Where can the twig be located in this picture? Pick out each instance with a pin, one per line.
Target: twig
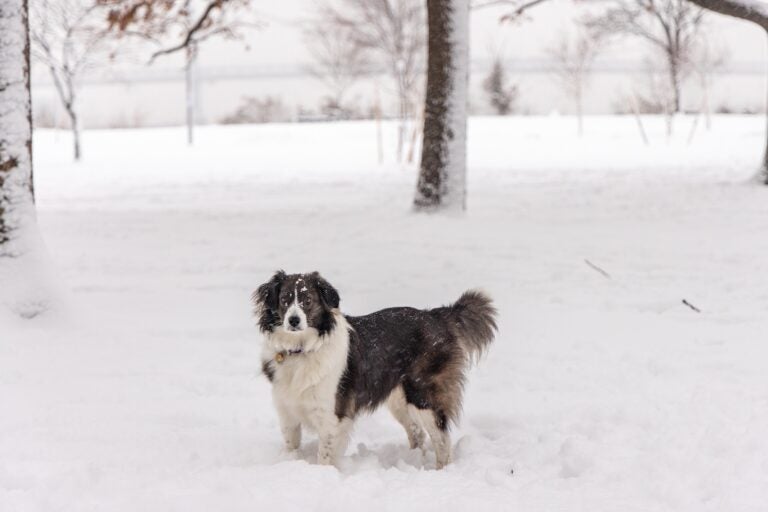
(691, 306)
(597, 269)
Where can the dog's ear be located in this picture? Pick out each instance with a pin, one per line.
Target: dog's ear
(266, 297)
(328, 293)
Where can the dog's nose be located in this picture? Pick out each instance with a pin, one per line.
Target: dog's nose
(294, 321)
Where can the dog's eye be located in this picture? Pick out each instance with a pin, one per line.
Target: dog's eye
(307, 301)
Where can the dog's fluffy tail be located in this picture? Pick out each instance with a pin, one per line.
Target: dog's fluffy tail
(473, 322)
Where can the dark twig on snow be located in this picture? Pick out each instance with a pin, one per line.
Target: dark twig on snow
(597, 269)
(691, 306)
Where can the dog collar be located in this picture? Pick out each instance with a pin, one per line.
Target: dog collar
(280, 356)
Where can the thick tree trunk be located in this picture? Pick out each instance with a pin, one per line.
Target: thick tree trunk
(16, 192)
(442, 178)
(24, 278)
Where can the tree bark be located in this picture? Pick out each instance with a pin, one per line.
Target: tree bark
(674, 78)
(16, 190)
(442, 177)
(75, 127)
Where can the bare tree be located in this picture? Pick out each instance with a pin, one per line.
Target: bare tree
(339, 60)
(393, 31)
(573, 58)
(66, 40)
(442, 177)
(706, 62)
(748, 10)
(670, 26)
(180, 25)
(501, 96)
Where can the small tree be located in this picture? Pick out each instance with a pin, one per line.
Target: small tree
(748, 10)
(339, 59)
(573, 60)
(442, 177)
(706, 62)
(393, 31)
(179, 25)
(66, 40)
(501, 96)
(670, 26)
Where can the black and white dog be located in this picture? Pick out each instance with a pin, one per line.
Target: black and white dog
(326, 368)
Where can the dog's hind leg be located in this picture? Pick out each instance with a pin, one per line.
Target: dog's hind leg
(436, 425)
(401, 411)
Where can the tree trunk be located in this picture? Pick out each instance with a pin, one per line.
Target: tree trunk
(580, 111)
(674, 78)
(764, 168)
(402, 95)
(442, 177)
(74, 123)
(190, 90)
(16, 191)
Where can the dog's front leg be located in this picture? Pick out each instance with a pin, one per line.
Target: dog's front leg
(334, 436)
(291, 429)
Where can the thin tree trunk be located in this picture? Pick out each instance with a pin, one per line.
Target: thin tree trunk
(706, 105)
(674, 77)
(403, 115)
(580, 112)
(379, 138)
(442, 177)
(75, 127)
(190, 92)
(16, 190)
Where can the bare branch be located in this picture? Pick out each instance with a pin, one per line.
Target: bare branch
(750, 10)
(201, 23)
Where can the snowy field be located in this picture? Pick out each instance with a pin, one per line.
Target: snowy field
(142, 391)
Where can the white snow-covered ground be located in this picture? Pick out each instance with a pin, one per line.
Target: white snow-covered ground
(141, 392)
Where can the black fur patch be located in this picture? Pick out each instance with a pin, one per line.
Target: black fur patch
(266, 369)
(327, 323)
(266, 299)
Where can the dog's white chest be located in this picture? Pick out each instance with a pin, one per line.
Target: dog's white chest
(305, 385)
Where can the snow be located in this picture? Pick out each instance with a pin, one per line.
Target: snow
(141, 391)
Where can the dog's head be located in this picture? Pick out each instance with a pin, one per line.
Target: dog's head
(295, 303)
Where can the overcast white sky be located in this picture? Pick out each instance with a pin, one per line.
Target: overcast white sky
(276, 57)
(280, 42)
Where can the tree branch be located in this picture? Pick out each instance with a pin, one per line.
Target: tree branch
(196, 27)
(750, 10)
